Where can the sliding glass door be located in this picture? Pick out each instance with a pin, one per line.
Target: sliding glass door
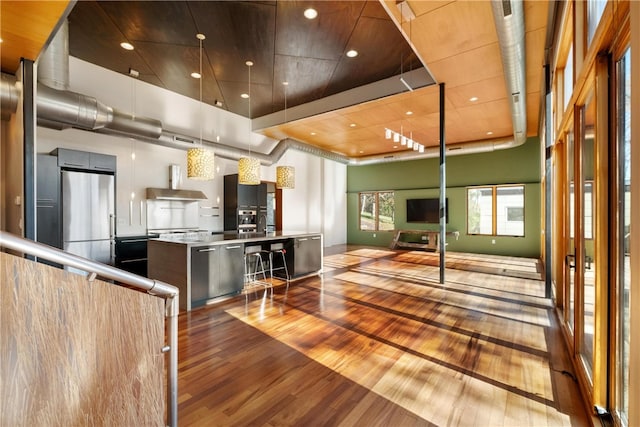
(623, 219)
(588, 239)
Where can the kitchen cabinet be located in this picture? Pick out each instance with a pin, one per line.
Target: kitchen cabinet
(241, 197)
(76, 159)
(216, 270)
(48, 201)
(307, 255)
(213, 266)
(131, 254)
(231, 271)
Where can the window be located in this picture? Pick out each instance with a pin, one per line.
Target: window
(377, 211)
(496, 210)
(595, 9)
(567, 87)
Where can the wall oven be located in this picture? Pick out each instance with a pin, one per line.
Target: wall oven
(247, 221)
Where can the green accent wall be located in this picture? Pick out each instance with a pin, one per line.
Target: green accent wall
(421, 179)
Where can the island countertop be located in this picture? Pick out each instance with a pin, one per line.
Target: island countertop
(233, 237)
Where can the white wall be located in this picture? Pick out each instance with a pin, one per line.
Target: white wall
(318, 203)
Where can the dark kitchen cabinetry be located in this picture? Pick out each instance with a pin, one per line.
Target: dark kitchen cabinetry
(131, 254)
(239, 197)
(75, 159)
(48, 201)
(216, 270)
(307, 255)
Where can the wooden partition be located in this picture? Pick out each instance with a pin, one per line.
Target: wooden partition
(77, 352)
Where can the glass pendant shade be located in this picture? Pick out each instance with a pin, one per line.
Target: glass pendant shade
(200, 164)
(249, 171)
(285, 177)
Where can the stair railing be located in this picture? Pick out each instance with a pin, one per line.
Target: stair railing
(169, 293)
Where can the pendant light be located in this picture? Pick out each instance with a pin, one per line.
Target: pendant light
(285, 175)
(249, 167)
(200, 160)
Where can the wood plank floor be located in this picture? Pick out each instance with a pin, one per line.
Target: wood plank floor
(377, 341)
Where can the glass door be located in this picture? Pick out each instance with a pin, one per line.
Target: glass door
(588, 239)
(570, 246)
(623, 215)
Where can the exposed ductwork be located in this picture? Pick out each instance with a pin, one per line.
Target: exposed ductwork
(509, 19)
(59, 108)
(9, 96)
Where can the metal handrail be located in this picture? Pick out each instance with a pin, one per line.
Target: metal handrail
(153, 287)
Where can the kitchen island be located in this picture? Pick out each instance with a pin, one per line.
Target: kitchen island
(211, 267)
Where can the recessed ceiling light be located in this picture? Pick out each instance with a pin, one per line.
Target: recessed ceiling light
(408, 113)
(244, 95)
(489, 133)
(352, 125)
(195, 75)
(352, 53)
(310, 13)
(1, 40)
(127, 46)
(361, 152)
(395, 146)
(473, 99)
(313, 134)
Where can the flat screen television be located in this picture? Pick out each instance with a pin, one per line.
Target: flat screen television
(425, 210)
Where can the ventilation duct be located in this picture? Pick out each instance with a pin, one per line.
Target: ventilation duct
(509, 19)
(59, 108)
(9, 96)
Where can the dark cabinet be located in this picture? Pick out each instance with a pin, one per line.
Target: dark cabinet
(216, 270)
(131, 254)
(242, 197)
(307, 255)
(102, 162)
(231, 271)
(204, 267)
(76, 159)
(48, 201)
(247, 197)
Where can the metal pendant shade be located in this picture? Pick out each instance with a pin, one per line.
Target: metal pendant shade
(200, 160)
(285, 177)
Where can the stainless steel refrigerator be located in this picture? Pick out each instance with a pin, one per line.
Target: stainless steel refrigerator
(88, 215)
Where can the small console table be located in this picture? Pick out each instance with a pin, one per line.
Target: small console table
(430, 240)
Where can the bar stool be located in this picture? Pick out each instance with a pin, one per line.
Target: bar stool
(278, 250)
(254, 267)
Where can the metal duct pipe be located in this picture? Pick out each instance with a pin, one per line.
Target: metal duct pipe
(509, 19)
(135, 125)
(53, 64)
(81, 111)
(9, 96)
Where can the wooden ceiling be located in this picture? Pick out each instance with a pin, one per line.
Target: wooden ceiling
(25, 28)
(456, 40)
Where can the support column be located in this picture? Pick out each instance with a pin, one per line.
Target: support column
(443, 189)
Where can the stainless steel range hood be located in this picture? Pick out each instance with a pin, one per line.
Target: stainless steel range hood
(174, 194)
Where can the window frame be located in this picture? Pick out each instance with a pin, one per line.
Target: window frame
(376, 211)
(494, 209)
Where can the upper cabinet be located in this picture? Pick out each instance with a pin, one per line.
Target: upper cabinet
(240, 197)
(76, 159)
